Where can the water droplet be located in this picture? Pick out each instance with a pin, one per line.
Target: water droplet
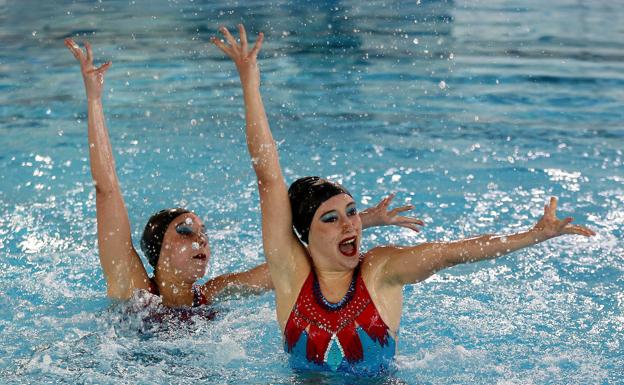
(415, 41)
(442, 84)
(193, 122)
(48, 111)
(451, 56)
(476, 118)
(34, 33)
(195, 246)
(188, 221)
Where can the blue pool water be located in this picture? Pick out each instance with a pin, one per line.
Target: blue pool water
(473, 111)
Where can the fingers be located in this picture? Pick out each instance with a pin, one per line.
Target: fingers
(232, 48)
(221, 45)
(401, 209)
(228, 36)
(550, 209)
(243, 37)
(258, 45)
(553, 205)
(579, 230)
(74, 48)
(410, 220)
(101, 69)
(89, 52)
(410, 226)
(384, 203)
(566, 221)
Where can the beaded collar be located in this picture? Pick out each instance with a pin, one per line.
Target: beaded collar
(331, 306)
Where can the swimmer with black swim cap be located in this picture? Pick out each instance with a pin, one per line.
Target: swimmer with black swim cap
(339, 308)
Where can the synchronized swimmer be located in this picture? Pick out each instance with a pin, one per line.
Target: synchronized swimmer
(337, 306)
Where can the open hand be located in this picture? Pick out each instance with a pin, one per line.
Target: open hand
(549, 226)
(380, 215)
(93, 77)
(244, 58)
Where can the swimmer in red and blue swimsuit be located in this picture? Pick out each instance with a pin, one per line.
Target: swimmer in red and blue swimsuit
(312, 236)
(348, 336)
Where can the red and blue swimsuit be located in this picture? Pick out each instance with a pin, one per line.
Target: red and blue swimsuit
(348, 336)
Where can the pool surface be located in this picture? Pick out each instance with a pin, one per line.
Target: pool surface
(474, 111)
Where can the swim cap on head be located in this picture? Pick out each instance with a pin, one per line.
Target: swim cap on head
(154, 233)
(306, 195)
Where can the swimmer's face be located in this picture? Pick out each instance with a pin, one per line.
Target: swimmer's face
(335, 234)
(185, 250)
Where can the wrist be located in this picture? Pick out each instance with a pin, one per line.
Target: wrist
(249, 82)
(366, 219)
(249, 77)
(538, 235)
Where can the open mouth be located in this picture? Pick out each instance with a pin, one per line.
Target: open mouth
(348, 246)
(201, 256)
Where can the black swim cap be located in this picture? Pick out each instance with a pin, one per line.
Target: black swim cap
(306, 195)
(154, 232)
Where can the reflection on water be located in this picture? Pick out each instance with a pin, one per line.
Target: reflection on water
(475, 112)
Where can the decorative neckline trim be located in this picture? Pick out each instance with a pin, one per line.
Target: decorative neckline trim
(331, 306)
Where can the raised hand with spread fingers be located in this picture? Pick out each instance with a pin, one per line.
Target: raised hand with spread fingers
(244, 58)
(549, 226)
(382, 215)
(93, 76)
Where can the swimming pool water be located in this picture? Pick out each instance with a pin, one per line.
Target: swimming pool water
(473, 111)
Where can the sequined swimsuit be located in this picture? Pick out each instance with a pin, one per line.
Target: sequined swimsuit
(348, 336)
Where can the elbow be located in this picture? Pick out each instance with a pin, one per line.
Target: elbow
(104, 189)
(101, 191)
(117, 293)
(266, 180)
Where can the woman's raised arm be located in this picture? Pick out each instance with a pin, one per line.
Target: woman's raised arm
(286, 258)
(122, 266)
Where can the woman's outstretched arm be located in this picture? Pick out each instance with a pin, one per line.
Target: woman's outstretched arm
(122, 266)
(405, 265)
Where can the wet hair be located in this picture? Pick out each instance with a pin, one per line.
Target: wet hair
(154, 233)
(306, 195)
